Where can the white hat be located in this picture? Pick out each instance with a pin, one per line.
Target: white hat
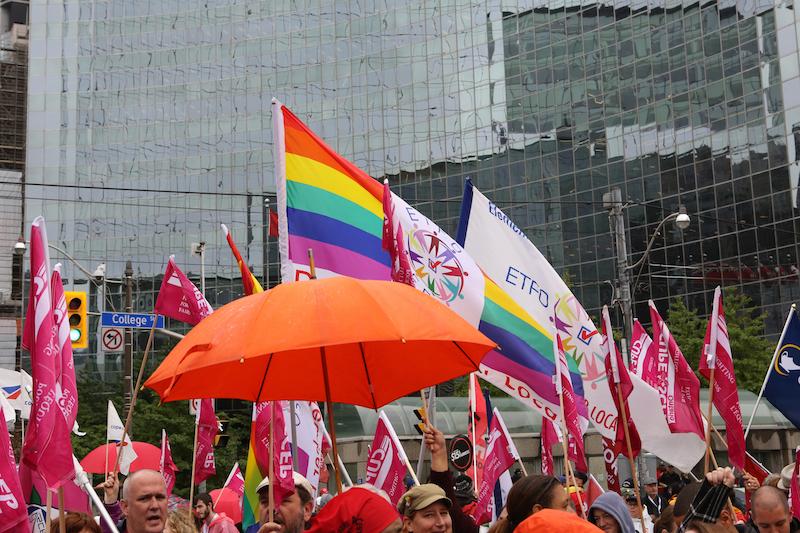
(299, 481)
(786, 477)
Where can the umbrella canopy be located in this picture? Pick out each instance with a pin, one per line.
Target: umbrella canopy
(149, 457)
(374, 341)
(228, 502)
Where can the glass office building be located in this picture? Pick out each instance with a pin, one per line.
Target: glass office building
(149, 124)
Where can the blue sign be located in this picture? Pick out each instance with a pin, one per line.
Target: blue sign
(130, 320)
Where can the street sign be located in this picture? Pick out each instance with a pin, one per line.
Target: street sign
(129, 320)
(112, 339)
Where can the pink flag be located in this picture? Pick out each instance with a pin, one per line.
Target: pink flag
(47, 448)
(641, 364)
(794, 486)
(208, 428)
(500, 455)
(682, 402)
(570, 413)
(68, 386)
(611, 452)
(593, 490)
(717, 355)
(268, 413)
(235, 481)
(621, 387)
(386, 464)
(167, 466)
(393, 242)
(13, 511)
(549, 438)
(312, 443)
(178, 298)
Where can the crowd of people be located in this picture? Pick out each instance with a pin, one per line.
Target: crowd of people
(535, 503)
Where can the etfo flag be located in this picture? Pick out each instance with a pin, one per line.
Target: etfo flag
(506, 255)
(178, 298)
(166, 464)
(115, 429)
(717, 355)
(235, 481)
(782, 385)
(442, 269)
(47, 449)
(208, 427)
(13, 511)
(271, 414)
(500, 455)
(386, 464)
(570, 410)
(312, 443)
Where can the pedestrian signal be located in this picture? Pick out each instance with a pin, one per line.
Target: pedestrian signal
(78, 324)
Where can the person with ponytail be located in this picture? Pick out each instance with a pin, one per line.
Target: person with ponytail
(528, 496)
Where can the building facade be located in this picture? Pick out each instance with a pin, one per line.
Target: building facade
(149, 125)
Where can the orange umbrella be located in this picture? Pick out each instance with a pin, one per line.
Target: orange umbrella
(368, 342)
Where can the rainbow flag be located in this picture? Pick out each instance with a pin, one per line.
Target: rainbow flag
(326, 204)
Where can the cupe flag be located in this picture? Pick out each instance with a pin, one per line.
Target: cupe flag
(782, 387)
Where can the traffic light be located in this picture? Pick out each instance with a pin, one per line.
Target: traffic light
(423, 418)
(78, 324)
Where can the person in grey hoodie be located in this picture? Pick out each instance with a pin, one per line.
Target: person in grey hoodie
(610, 513)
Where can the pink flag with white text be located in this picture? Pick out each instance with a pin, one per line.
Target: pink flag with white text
(570, 412)
(500, 456)
(235, 481)
(13, 511)
(386, 464)
(178, 297)
(682, 406)
(717, 355)
(167, 465)
(47, 448)
(549, 438)
(641, 364)
(268, 413)
(66, 368)
(611, 452)
(208, 427)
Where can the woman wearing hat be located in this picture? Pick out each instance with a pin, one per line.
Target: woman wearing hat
(426, 509)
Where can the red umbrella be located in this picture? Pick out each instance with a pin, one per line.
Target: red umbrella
(228, 502)
(95, 462)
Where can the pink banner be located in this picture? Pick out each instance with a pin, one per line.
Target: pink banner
(499, 458)
(47, 448)
(549, 438)
(478, 428)
(386, 467)
(208, 427)
(66, 367)
(178, 298)
(167, 465)
(13, 511)
(794, 486)
(570, 412)
(235, 481)
(682, 403)
(268, 413)
(717, 355)
(621, 387)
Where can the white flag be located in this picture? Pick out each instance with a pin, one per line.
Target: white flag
(311, 441)
(114, 431)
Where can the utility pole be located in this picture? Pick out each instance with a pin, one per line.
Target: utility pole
(613, 202)
(127, 356)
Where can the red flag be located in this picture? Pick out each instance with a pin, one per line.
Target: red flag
(268, 413)
(611, 452)
(47, 448)
(167, 466)
(386, 464)
(13, 511)
(393, 241)
(682, 402)
(68, 386)
(570, 414)
(717, 355)
(593, 490)
(755, 468)
(273, 223)
(619, 383)
(549, 438)
(500, 455)
(208, 428)
(249, 281)
(794, 486)
(178, 298)
(478, 428)
(235, 481)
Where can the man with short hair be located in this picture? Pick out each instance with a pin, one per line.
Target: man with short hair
(144, 502)
(211, 521)
(294, 512)
(653, 501)
(770, 512)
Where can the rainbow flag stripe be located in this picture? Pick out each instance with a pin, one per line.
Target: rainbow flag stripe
(525, 348)
(326, 204)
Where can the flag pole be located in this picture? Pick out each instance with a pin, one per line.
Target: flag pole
(634, 473)
(769, 370)
(62, 524)
(135, 393)
(564, 443)
(49, 508)
(194, 459)
(708, 418)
